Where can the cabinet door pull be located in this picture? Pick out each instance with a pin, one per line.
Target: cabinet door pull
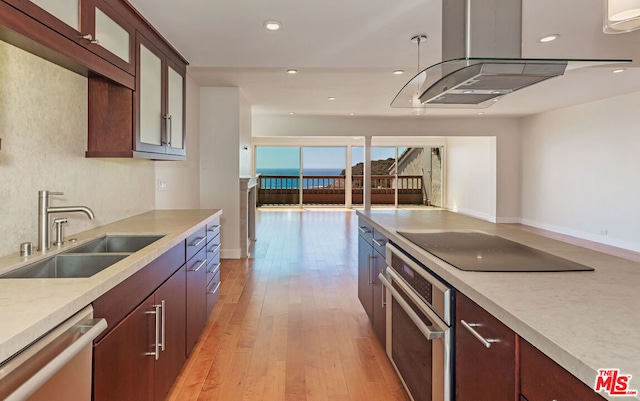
(156, 344)
(202, 262)
(384, 293)
(470, 328)
(213, 229)
(162, 305)
(200, 240)
(364, 230)
(89, 38)
(215, 249)
(383, 243)
(215, 289)
(214, 271)
(371, 279)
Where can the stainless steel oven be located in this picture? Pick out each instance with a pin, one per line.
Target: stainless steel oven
(419, 331)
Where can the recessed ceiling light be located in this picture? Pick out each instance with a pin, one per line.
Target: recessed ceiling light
(548, 38)
(292, 71)
(481, 113)
(618, 71)
(291, 113)
(352, 114)
(398, 72)
(272, 25)
(331, 98)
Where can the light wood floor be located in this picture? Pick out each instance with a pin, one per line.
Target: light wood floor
(289, 325)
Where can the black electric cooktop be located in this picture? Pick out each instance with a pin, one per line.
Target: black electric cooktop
(478, 251)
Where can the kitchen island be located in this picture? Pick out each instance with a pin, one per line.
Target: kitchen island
(31, 307)
(584, 321)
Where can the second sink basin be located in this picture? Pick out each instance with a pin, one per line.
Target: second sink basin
(67, 266)
(116, 244)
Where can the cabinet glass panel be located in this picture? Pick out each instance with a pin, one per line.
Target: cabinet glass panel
(175, 109)
(67, 11)
(112, 36)
(150, 97)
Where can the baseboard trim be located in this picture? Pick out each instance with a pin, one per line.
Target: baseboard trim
(509, 220)
(230, 253)
(473, 213)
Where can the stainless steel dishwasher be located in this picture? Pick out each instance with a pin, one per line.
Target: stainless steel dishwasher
(56, 367)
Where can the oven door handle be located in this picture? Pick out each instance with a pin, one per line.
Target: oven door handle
(430, 332)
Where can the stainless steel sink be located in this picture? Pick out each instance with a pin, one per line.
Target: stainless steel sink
(67, 266)
(116, 243)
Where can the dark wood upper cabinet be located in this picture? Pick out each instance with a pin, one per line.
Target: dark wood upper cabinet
(136, 78)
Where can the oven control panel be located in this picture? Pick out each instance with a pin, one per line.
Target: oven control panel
(413, 278)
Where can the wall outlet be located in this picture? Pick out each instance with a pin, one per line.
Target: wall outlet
(604, 232)
(162, 184)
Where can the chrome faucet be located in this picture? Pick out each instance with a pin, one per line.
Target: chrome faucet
(44, 210)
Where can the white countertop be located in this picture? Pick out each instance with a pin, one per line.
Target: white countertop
(31, 307)
(584, 321)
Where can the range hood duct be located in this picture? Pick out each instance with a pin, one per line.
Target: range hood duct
(482, 43)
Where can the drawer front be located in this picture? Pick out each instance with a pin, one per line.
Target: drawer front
(379, 242)
(542, 379)
(213, 260)
(365, 230)
(199, 261)
(196, 241)
(213, 230)
(483, 373)
(213, 292)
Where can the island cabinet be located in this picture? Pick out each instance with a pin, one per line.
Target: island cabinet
(485, 355)
(196, 308)
(542, 379)
(141, 353)
(371, 262)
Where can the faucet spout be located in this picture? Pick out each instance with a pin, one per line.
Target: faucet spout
(70, 209)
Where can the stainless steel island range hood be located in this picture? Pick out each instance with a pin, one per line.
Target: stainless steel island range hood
(482, 46)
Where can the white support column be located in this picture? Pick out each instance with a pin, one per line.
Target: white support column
(300, 177)
(366, 191)
(348, 178)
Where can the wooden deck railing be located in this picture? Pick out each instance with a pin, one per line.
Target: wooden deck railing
(285, 190)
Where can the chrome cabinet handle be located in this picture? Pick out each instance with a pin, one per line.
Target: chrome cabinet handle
(384, 293)
(213, 229)
(202, 262)
(199, 241)
(470, 328)
(364, 230)
(371, 279)
(215, 289)
(214, 271)
(215, 250)
(162, 305)
(383, 243)
(156, 345)
(167, 129)
(89, 37)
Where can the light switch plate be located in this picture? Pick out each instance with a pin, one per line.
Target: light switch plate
(162, 184)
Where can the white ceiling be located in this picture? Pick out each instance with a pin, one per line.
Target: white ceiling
(348, 49)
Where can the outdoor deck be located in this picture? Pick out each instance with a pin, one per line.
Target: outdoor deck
(330, 190)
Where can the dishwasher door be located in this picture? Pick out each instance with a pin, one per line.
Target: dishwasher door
(57, 367)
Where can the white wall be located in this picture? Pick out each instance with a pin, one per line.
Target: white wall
(580, 171)
(182, 178)
(246, 158)
(43, 126)
(223, 126)
(471, 176)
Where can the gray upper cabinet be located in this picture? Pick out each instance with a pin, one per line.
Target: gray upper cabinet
(160, 95)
